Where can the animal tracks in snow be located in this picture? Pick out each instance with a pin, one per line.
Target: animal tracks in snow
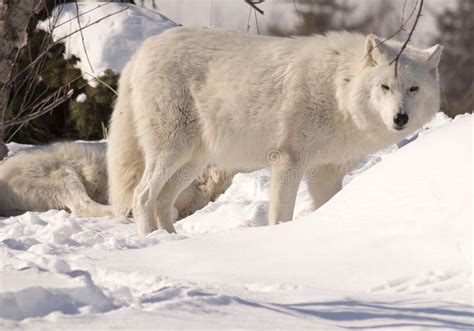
(430, 282)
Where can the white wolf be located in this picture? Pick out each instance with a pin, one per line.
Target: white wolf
(311, 105)
(73, 176)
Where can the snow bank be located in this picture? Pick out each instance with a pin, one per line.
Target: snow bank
(397, 227)
(392, 249)
(111, 42)
(39, 301)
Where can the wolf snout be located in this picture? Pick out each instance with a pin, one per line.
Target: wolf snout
(400, 120)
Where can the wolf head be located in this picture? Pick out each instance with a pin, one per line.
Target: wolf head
(399, 101)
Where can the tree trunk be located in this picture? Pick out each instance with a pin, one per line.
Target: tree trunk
(14, 20)
(4, 69)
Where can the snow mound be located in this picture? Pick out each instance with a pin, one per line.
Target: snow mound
(392, 249)
(403, 226)
(40, 301)
(243, 205)
(109, 43)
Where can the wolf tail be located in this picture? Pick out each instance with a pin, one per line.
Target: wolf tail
(125, 162)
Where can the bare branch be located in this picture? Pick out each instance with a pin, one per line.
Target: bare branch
(43, 110)
(82, 14)
(297, 12)
(105, 130)
(102, 82)
(61, 39)
(32, 104)
(82, 37)
(256, 22)
(403, 12)
(402, 28)
(396, 59)
(211, 10)
(254, 3)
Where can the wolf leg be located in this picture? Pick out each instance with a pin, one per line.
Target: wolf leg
(76, 199)
(159, 167)
(125, 161)
(172, 189)
(285, 180)
(324, 182)
(84, 206)
(191, 199)
(216, 181)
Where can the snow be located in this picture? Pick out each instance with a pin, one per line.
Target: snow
(81, 97)
(392, 249)
(15, 148)
(109, 43)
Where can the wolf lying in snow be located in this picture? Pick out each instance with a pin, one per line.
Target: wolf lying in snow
(73, 176)
(302, 106)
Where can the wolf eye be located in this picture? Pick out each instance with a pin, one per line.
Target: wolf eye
(385, 87)
(414, 89)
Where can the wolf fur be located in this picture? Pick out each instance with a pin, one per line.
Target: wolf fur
(301, 106)
(73, 176)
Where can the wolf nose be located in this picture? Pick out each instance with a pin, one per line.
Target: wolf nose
(400, 119)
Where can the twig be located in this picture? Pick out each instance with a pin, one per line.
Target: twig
(403, 12)
(39, 101)
(396, 59)
(297, 12)
(402, 28)
(211, 9)
(254, 3)
(30, 80)
(91, 24)
(105, 131)
(82, 37)
(33, 106)
(59, 40)
(256, 21)
(103, 83)
(82, 14)
(25, 119)
(247, 28)
(52, 24)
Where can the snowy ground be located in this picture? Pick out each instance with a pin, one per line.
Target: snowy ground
(392, 249)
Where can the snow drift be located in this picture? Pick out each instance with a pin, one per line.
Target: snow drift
(392, 249)
(388, 230)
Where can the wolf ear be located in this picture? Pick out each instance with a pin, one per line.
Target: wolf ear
(433, 55)
(375, 51)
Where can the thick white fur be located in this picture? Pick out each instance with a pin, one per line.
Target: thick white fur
(73, 176)
(312, 105)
